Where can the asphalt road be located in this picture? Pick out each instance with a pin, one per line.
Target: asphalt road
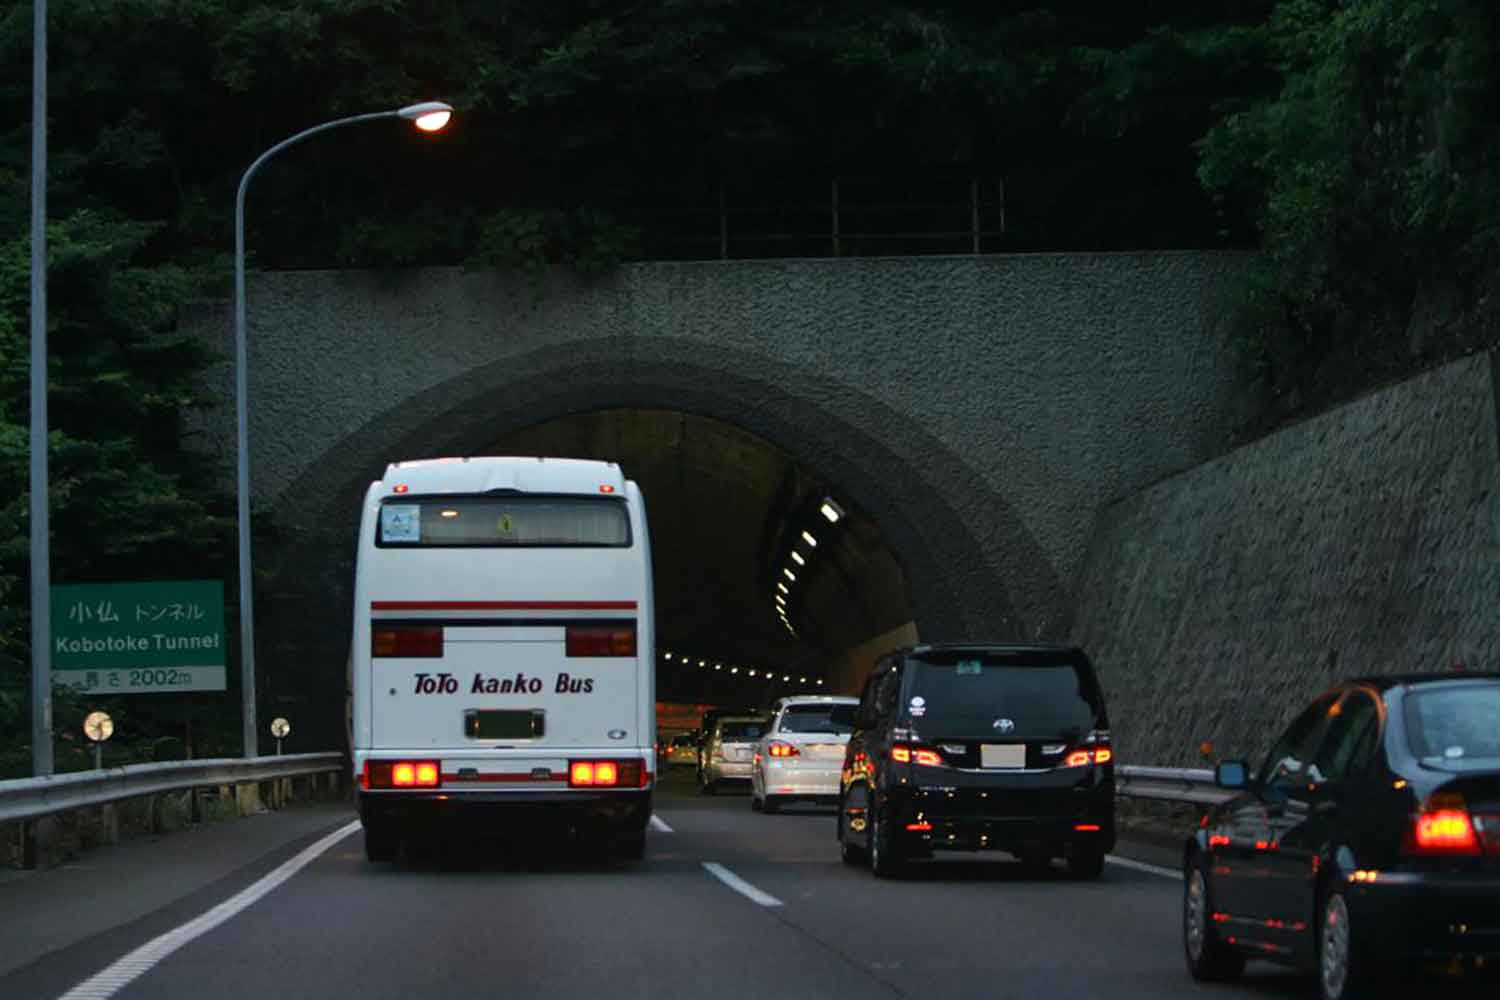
(464, 923)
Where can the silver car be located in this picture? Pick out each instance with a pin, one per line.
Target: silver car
(801, 756)
(728, 750)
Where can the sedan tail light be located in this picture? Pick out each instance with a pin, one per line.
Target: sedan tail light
(615, 640)
(1443, 826)
(779, 748)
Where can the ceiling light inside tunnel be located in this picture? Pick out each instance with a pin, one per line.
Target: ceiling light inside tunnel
(787, 679)
(702, 663)
(797, 558)
(802, 680)
(831, 510)
(450, 513)
(734, 670)
(789, 575)
(820, 682)
(810, 540)
(718, 666)
(781, 599)
(782, 587)
(752, 673)
(668, 655)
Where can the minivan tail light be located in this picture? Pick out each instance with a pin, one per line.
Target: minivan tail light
(901, 753)
(1443, 826)
(591, 640)
(406, 641)
(1083, 758)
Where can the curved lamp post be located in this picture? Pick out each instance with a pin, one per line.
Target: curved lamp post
(429, 116)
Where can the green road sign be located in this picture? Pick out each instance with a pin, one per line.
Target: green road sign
(139, 638)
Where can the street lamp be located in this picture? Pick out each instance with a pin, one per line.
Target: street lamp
(429, 116)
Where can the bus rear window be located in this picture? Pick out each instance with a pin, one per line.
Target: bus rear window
(502, 522)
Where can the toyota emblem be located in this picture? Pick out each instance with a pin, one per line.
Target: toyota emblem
(1004, 725)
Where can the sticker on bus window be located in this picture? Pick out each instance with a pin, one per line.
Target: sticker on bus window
(401, 523)
(967, 667)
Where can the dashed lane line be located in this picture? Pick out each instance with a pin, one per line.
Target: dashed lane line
(658, 825)
(136, 964)
(1141, 866)
(739, 885)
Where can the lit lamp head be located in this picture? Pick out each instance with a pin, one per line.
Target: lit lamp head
(429, 116)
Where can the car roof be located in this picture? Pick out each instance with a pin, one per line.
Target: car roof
(818, 699)
(1385, 682)
(991, 647)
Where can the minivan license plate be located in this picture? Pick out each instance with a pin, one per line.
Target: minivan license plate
(1002, 755)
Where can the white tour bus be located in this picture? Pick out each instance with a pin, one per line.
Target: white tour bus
(503, 668)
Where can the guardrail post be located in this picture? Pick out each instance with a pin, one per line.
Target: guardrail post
(37, 838)
(109, 824)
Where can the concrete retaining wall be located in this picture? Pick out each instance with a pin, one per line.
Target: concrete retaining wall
(1366, 540)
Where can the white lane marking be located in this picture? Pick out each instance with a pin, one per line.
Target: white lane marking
(657, 824)
(739, 885)
(1141, 866)
(125, 971)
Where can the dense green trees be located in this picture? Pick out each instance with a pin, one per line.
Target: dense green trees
(1352, 140)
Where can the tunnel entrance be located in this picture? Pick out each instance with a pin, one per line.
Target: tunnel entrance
(768, 577)
(930, 542)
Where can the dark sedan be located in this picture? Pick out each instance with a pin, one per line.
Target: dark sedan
(1369, 840)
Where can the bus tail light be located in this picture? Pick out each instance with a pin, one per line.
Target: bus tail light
(595, 641)
(1442, 827)
(406, 641)
(606, 774)
(401, 774)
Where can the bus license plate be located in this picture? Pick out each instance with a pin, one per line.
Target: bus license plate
(1012, 755)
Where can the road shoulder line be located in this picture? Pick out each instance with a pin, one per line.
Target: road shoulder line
(137, 963)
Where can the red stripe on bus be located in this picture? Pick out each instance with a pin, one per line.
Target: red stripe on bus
(502, 605)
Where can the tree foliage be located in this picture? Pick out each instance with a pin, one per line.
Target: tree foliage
(1351, 140)
(1372, 173)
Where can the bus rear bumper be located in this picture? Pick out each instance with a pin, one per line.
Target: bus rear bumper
(529, 813)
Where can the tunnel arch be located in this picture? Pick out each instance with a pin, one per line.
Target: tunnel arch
(954, 536)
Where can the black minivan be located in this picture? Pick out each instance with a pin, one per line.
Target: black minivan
(968, 747)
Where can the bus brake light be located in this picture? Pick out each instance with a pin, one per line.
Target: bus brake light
(596, 641)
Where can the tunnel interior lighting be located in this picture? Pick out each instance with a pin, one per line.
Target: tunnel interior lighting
(802, 680)
(797, 558)
(702, 663)
(786, 680)
(781, 600)
(752, 673)
(789, 575)
(782, 587)
(831, 510)
(669, 656)
(734, 670)
(820, 682)
(718, 666)
(812, 542)
(450, 513)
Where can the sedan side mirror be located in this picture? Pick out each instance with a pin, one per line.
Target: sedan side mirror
(1232, 774)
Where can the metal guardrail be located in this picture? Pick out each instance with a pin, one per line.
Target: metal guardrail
(1173, 784)
(29, 798)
